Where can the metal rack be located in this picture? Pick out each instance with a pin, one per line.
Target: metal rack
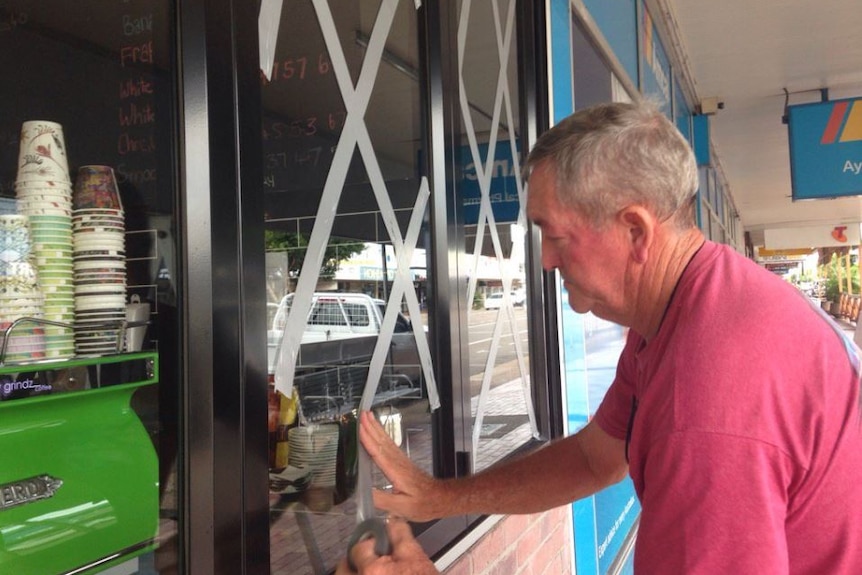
(121, 326)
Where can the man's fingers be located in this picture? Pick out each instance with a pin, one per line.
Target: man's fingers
(362, 554)
(411, 486)
(400, 533)
(388, 456)
(391, 503)
(407, 552)
(407, 555)
(343, 568)
(371, 432)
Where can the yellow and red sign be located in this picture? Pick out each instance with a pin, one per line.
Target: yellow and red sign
(826, 149)
(844, 126)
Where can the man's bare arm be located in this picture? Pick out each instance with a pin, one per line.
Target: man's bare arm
(556, 474)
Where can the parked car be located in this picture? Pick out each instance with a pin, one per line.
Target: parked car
(495, 300)
(519, 298)
(338, 342)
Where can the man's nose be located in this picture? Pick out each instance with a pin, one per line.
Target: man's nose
(549, 261)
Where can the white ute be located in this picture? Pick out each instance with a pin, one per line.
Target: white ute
(337, 344)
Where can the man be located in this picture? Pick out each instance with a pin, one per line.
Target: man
(736, 404)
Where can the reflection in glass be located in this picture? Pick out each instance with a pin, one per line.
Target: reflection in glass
(346, 262)
(493, 203)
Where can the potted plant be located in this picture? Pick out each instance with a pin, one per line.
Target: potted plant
(831, 288)
(832, 293)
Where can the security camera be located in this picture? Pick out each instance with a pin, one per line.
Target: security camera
(709, 106)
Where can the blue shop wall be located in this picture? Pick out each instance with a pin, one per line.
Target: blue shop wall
(591, 348)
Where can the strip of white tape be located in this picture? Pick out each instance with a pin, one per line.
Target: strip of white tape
(267, 30)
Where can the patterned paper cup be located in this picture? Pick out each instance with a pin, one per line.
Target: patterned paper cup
(44, 210)
(109, 241)
(23, 285)
(45, 201)
(14, 226)
(108, 212)
(14, 238)
(24, 344)
(20, 271)
(96, 188)
(42, 152)
(51, 220)
(24, 187)
(97, 266)
(99, 301)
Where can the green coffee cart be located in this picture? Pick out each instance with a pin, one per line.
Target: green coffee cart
(78, 470)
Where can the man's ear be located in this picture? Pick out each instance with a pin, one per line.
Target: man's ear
(640, 229)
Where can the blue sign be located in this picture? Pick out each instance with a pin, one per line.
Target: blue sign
(504, 185)
(826, 149)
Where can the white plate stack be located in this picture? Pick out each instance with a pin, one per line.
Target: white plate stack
(315, 447)
(98, 239)
(44, 193)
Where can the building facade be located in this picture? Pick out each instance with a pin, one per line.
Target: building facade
(325, 150)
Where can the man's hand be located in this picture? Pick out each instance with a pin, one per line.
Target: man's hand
(407, 557)
(416, 495)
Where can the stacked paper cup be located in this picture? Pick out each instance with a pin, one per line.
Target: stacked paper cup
(20, 296)
(98, 238)
(44, 192)
(316, 447)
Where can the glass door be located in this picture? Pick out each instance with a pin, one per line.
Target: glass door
(347, 259)
(374, 268)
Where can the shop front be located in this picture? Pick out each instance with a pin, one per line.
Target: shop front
(184, 382)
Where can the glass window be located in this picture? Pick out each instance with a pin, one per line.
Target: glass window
(705, 217)
(347, 230)
(489, 154)
(347, 261)
(95, 81)
(715, 229)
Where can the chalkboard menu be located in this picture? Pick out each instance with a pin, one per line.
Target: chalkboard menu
(103, 70)
(300, 133)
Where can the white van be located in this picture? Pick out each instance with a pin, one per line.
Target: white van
(354, 320)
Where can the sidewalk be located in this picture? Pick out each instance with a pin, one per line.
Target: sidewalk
(847, 327)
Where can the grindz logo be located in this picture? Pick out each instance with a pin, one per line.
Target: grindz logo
(23, 387)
